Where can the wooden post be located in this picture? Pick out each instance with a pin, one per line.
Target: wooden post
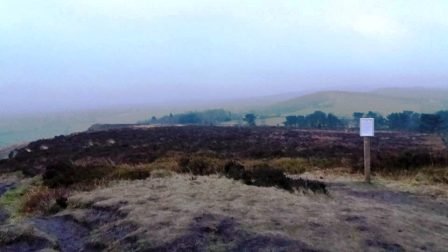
(367, 159)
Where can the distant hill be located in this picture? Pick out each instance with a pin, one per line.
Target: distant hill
(243, 105)
(414, 92)
(384, 101)
(273, 108)
(25, 128)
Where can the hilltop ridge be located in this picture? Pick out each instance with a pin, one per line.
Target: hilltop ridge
(385, 101)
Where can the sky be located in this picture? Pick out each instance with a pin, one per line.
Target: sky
(76, 54)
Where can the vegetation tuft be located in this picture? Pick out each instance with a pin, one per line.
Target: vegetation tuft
(234, 170)
(128, 172)
(433, 175)
(265, 176)
(201, 165)
(44, 200)
(63, 174)
(292, 165)
(11, 201)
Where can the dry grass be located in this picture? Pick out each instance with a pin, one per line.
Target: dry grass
(291, 165)
(12, 200)
(426, 182)
(169, 204)
(164, 207)
(433, 175)
(44, 200)
(161, 173)
(130, 172)
(169, 162)
(200, 164)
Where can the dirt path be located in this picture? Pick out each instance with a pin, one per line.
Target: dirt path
(392, 220)
(403, 201)
(71, 236)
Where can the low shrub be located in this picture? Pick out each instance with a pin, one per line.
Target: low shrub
(234, 170)
(64, 174)
(44, 200)
(313, 185)
(170, 163)
(127, 172)
(401, 162)
(160, 173)
(323, 162)
(266, 176)
(291, 165)
(251, 163)
(433, 175)
(11, 200)
(201, 165)
(183, 163)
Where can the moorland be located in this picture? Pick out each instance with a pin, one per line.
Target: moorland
(206, 188)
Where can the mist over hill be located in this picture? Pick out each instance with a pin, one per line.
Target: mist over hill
(344, 103)
(24, 128)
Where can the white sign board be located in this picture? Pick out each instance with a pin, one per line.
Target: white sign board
(367, 127)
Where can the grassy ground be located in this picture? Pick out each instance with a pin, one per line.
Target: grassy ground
(179, 211)
(354, 217)
(138, 190)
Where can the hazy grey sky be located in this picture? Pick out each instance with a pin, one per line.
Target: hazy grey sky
(84, 53)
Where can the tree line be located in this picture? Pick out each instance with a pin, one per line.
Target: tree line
(402, 121)
(316, 120)
(207, 117)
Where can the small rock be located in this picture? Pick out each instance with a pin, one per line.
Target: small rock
(12, 154)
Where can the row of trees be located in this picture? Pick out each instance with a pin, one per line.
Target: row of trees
(208, 117)
(402, 121)
(316, 120)
(410, 121)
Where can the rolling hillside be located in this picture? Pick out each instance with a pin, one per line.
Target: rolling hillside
(24, 128)
(16, 130)
(384, 101)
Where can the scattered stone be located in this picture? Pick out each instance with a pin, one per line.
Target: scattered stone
(13, 154)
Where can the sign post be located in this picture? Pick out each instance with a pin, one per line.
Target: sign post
(367, 130)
